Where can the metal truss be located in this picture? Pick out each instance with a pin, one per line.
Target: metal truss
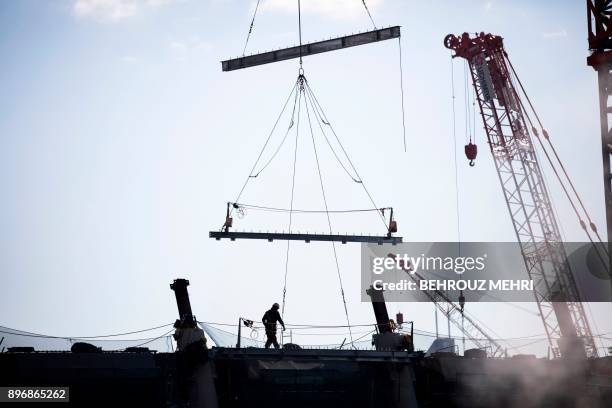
(470, 329)
(526, 195)
(600, 43)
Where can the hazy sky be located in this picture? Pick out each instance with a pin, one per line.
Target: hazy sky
(121, 140)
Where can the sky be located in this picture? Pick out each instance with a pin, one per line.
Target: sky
(121, 140)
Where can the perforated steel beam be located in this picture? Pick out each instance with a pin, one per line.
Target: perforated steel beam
(305, 237)
(311, 48)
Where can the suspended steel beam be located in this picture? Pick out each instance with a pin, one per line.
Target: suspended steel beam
(311, 48)
(305, 237)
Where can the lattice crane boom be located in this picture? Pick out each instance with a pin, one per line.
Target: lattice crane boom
(525, 192)
(454, 312)
(599, 20)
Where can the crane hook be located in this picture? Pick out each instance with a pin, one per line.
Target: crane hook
(471, 150)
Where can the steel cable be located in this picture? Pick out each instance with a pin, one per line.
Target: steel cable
(314, 97)
(293, 89)
(297, 136)
(250, 28)
(314, 146)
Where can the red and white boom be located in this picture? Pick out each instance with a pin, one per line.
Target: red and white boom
(527, 198)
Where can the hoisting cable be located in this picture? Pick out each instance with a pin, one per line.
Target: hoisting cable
(291, 123)
(399, 41)
(569, 198)
(314, 146)
(567, 194)
(319, 122)
(297, 136)
(250, 28)
(474, 113)
(369, 14)
(547, 137)
(470, 95)
(265, 145)
(300, 32)
(455, 150)
(466, 102)
(277, 209)
(554, 169)
(457, 174)
(324, 115)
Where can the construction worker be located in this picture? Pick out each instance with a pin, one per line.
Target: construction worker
(269, 320)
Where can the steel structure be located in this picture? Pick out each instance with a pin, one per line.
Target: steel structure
(526, 195)
(453, 311)
(600, 44)
(311, 48)
(271, 236)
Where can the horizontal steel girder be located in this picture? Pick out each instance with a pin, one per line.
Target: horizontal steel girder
(269, 236)
(311, 48)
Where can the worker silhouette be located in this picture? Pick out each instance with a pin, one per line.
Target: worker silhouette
(269, 320)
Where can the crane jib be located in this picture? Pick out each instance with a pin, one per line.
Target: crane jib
(527, 198)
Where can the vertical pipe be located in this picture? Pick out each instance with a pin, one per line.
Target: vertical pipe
(604, 76)
(239, 332)
(436, 315)
(179, 286)
(448, 320)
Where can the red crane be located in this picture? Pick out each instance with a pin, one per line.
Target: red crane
(511, 143)
(600, 45)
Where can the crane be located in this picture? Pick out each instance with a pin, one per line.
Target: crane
(455, 314)
(600, 45)
(528, 202)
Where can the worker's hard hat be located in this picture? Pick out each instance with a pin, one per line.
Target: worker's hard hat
(275, 306)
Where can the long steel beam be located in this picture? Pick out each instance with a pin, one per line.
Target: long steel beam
(305, 237)
(311, 48)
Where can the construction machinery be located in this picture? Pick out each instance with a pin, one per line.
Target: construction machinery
(454, 312)
(511, 142)
(600, 45)
(387, 337)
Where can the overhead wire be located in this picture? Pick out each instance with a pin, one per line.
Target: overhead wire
(426, 333)
(419, 332)
(152, 340)
(31, 334)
